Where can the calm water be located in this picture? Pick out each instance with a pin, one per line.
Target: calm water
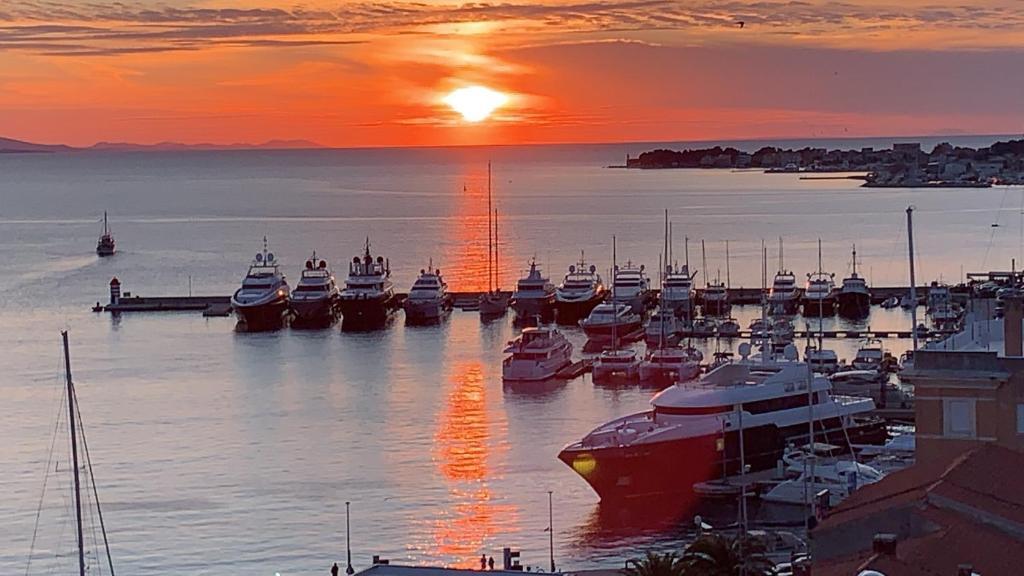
(217, 450)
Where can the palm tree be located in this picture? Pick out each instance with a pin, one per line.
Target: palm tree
(719, 555)
(654, 564)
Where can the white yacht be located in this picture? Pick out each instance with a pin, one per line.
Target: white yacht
(611, 321)
(691, 434)
(262, 301)
(428, 299)
(664, 328)
(616, 365)
(677, 293)
(579, 293)
(823, 361)
(854, 298)
(716, 299)
(315, 299)
(869, 356)
(784, 298)
(820, 292)
(538, 354)
(534, 296)
(945, 314)
(630, 285)
(368, 298)
(665, 366)
(840, 477)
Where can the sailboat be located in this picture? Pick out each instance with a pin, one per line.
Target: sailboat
(105, 245)
(615, 363)
(83, 485)
(494, 302)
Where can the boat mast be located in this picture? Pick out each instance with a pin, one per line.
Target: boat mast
(782, 266)
(490, 244)
(913, 288)
(106, 230)
(497, 284)
(666, 267)
(615, 304)
(764, 302)
(728, 279)
(854, 260)
(704, 264)
(74, 453)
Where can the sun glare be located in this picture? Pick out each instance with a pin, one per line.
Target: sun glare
(475, 103)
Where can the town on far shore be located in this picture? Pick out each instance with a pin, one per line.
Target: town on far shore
(905, 165)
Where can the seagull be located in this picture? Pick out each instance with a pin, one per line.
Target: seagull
(740, 23)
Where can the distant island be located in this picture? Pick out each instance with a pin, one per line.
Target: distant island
(905, 165)
(11, 146)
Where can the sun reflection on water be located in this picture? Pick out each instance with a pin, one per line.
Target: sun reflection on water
(465, 448)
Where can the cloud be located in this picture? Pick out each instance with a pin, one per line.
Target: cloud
(112, 28)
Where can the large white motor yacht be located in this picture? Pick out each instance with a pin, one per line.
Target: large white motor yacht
(368, 299)
(677, 292)
(784, 298)
(534, 296)
(664, 328)
(579, 293)
(538, 354)
(262, 301)
(667, 365)
(315, 300)
(691, 434)
(631, 286)
(716, 299)
(428, 299)
(869, 356)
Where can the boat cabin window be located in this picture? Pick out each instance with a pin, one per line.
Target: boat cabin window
(691, 410)
(776, 404)
(308, 288)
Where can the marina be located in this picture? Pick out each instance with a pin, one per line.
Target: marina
(468, 458)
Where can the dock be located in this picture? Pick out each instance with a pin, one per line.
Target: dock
(576, 369)
(208, 305)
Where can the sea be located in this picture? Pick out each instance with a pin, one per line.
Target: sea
(216, 450)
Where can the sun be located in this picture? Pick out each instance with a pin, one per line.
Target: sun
(475, 103)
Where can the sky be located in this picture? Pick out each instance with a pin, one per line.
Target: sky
(376, 73)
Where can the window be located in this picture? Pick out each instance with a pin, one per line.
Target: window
(1020, 418)
(958, 418)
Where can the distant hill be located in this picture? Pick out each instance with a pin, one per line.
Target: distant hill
(10, 146)
(174, 146)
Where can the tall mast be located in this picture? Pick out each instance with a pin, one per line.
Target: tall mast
(105, 229)
(913, 288)
(497, 284)
(854, 260)
(667, 263)
(704, 264)
(74, 454)
(615, 304)
(490, 244)
(820, 268)
(782, 266)
(728, 279)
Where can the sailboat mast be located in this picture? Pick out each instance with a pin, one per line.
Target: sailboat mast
(782, 266)
(728, 278)
(667, 263)
(854, 260)
(615, 304)
(704, 264)
(74, 454)
(913, 287)
(105, 229)
(490, 234)
(497, 284)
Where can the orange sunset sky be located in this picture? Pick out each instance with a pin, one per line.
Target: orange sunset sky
(369, 73)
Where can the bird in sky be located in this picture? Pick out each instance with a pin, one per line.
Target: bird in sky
(740, 23)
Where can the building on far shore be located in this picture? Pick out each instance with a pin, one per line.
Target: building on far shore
(960, 507)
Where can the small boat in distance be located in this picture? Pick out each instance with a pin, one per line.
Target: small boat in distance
(428, 300)
(534, 296)
(784, 298)
(537, 355)
(854, 298)
(263, 300)
(315, 299)
(368, 299)
(579, 293)
(494, 302)
(105, 245)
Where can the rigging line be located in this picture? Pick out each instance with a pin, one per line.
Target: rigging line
(995, 227)
(42, 495)
(96, 496)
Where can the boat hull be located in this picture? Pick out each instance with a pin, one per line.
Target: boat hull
(786, 306)
(262, 317)
(671, 468)
(366, 313)
(494, 304)
(716, 307)
(319, 313)
(603, 332)
(427, 311)
(529, 309)
(571, 312)
(854, 304)
(819, 307)
(517, 370)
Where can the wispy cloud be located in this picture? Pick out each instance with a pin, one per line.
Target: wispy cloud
(96, 28)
